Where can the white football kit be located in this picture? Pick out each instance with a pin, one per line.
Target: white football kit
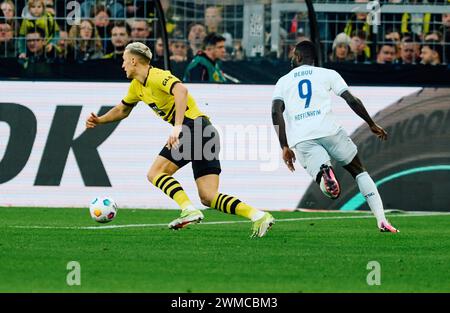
(311, 127)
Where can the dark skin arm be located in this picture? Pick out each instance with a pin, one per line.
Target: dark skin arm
(280, 128)
(357, 106)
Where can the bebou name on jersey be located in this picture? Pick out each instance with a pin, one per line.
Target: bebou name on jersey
(303, 73)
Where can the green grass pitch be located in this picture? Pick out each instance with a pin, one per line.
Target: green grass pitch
(323, 253)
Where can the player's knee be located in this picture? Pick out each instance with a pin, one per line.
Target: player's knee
(152, 174)
(156, 170)
(206, 198)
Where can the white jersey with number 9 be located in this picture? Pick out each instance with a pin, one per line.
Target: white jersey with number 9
(305, 92)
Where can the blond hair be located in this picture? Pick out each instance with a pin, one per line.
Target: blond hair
(138, 48)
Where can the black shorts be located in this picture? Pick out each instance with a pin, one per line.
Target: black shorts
(199, 144)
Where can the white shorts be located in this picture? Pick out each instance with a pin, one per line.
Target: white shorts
(311, 154)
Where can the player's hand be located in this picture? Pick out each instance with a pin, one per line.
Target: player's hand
(92, 121)
(379, 131)
(49, 48)
(289, 158)
(174, 140)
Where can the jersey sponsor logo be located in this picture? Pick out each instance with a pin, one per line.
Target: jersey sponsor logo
(166, 80)
(302, 116)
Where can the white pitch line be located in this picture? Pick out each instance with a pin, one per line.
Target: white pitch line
(231, 222)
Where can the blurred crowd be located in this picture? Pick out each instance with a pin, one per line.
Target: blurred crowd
(406, 38)
(48, 31)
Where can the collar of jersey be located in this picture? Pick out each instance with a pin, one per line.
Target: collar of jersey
(148, 73)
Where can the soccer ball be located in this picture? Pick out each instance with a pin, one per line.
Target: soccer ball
(103, 209)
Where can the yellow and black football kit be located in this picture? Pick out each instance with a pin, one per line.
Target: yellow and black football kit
(156, 92)
(199, 144)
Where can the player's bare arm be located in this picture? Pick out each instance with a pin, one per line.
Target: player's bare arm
(357, 106)
(117, 113)
(280, 128)
(180, 94)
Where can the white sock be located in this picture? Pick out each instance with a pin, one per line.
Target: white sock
(370, 192)
(259, 214)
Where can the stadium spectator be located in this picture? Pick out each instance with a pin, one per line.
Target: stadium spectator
(114, 6)
(158, 56)
(431, 53)
(101, 16)
(140, 31)
(407, 51)
(359, 50)
(444, 29)
(35, 43)
(178, 48)
(7, 42)
(341, 48)
(84, 41)
(214, 24)
(57, 9)
(393, 35)
(196, 35)
(9, 11)
(416, 44)
(38, 20)
(61, 55)
(37, 61)
(387, 53)
(49, 8)
(357, 24)
(205, 66)
(119, 38)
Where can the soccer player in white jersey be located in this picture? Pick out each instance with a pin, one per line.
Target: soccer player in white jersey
(302, 97)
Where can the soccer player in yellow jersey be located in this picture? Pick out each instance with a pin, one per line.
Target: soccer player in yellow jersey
(170, 100)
